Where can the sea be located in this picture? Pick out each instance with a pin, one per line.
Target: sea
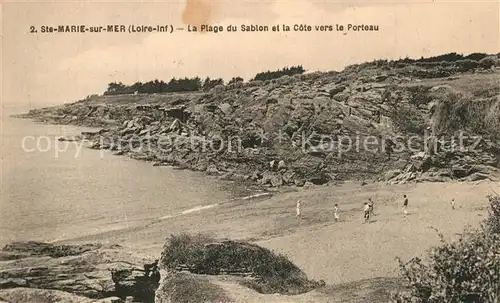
(55, 190)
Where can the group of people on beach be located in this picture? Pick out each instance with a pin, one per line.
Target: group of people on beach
(368, 209)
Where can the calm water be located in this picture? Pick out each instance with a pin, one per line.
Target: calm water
(49, 195)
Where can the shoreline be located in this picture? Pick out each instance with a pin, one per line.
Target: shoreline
(269, 221)
(250, 195)
(174, 130)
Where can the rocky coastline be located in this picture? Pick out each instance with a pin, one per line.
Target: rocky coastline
(298, 131)
(304, 129)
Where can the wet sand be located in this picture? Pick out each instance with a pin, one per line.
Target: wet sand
(336, 252)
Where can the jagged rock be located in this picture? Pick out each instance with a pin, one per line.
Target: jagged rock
(272, 164)
(308, 185)
(299, 182)
(33, 270)
(266, 178)
(180, 113)
(276, 181)
(112, 300)
(70, 139)
(139, 284)
(341, 97)
(281, 164)
(33, 295)
(212, 170)
(392, 174)
(333, 89)
(355, 101)
(477, 177)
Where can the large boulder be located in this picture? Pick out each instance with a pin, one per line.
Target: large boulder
(71, 271)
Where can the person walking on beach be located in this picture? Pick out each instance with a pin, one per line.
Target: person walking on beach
(336, 213)
(370, 204)
(298, 210)
(405, 205)
(366, 211)
(452, 204)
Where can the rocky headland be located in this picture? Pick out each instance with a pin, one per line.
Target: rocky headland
(377, 121)
(381, 121)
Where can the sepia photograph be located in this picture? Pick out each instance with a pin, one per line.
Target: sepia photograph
(227, 151)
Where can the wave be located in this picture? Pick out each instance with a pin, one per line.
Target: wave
(204, 207)
(184, 212)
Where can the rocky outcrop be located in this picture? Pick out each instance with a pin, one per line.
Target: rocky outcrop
(475, 160)
(34, 272)
(314, 124)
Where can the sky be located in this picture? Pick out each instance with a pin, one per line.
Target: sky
(41, 69)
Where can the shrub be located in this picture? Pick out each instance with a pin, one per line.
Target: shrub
(235, 80)
(467, 65)
(288, 71)
(462, 112)
(464, 271)
(203, 255)
(419, 95)
(183, 287)
(408, 119)
(492, 224)
(489, 61)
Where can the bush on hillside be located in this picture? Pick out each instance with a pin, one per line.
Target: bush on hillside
(184, 287)
(464, 271)
(235, 80)
(462, 112)
(287, 71)
(419, 95)
(200, 254)
(489, 61)
(156, 86)
(492, 223)
(408, 119)
(211, 83)
(462, 62)
(466, 65)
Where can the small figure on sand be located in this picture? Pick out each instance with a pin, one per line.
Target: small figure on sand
(452, 203)
(366, 211)
(336, 213)
(370, 204)
(298, 209)
(405, 205)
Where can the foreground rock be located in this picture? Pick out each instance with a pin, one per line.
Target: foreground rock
(31, 271)
(193, 269)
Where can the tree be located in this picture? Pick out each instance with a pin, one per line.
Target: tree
(235, 80)
(269, 75)
(211, 83)
(115, 87)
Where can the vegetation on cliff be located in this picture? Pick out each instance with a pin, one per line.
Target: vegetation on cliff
(191, 84)
(464, 271)
(314, 127)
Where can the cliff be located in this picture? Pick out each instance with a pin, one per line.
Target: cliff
(374, 121)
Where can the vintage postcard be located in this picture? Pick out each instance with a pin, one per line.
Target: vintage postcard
(250, 151)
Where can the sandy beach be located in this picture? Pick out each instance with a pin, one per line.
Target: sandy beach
(337, 252)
